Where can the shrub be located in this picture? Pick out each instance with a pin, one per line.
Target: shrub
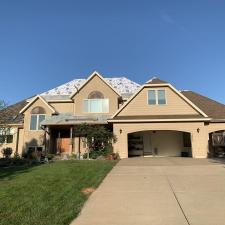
(7, 152)
(85, 155)
(16, 155)
(50, 156)
(94, 154)
(73, 156)
(107, 151)
(99, 139)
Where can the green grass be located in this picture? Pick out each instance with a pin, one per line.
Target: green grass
(49, 194)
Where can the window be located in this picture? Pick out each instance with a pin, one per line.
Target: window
(35, 148)
(151, 97)
(156, 97)
(31, 149)
(95, 95)
(35, 121)
(96, 105)
(2, 139)
(161, 97)
(6, 135)
(9, 138)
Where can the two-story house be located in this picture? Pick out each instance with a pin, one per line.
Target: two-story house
(154, 119)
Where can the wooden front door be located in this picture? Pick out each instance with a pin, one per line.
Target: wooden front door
(63, 145)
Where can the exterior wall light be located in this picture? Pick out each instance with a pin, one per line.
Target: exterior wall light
(121, 131)
(198, 130)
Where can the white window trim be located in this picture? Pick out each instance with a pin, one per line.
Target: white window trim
(37, 121)
(7, 132)
(156, 96)
(89, 105)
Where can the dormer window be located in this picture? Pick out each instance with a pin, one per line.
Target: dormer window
(96, 103)
(156, 97)
(37, 116)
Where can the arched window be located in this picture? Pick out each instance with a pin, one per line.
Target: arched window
(37, 116)
(95, 95)
(96, 103)
(38, 110)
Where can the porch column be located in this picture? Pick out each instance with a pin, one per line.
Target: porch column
(121, 146)
(71, 140)
(48, 137)
(45, 141)
(199, 141)
(59, 143)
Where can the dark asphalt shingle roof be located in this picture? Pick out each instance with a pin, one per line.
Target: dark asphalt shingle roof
(211, 108)
(156, 80)
(10, 115)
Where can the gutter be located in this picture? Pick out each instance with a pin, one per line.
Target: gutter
(160, 120)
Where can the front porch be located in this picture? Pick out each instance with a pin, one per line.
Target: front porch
(63, 140)
(61, 135)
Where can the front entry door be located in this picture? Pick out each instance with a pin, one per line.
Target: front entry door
(63, 145)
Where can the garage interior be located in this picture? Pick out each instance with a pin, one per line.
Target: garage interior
(161, 143)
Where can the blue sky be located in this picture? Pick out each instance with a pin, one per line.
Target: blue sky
(47, 43)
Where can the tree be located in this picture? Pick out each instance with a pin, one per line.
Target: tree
(3, 126)
(98, 137)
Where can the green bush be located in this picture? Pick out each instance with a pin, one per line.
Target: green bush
(7, 152)
(94, 154)
(85, 155)
(74, 156)
(99, 139)
(107, 151)
(49, 156)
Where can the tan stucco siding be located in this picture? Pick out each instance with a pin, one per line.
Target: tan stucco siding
(17, 133)
(83, 147)
(212, 127)
(63, 107)
(10, 145)
(95, 84)
(199, 139)
(175, 105)
(21, 141)
(33, 138)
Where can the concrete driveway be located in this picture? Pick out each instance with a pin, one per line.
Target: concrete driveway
(159, 191)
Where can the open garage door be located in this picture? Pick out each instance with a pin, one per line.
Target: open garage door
(217, 144)
(159, 143)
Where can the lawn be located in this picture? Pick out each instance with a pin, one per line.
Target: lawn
(48, 194)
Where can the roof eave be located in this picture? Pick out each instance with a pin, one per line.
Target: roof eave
(159, 120)
(217, 121)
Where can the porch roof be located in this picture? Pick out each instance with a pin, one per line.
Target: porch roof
(69, 119)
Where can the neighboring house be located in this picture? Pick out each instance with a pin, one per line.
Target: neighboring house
(153, 119)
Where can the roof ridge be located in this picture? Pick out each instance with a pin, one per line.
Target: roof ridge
(150, 80)
(156, 80)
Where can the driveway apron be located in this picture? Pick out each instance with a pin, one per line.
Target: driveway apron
(159, 191)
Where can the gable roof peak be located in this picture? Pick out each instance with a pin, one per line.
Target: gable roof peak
(156, 80)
